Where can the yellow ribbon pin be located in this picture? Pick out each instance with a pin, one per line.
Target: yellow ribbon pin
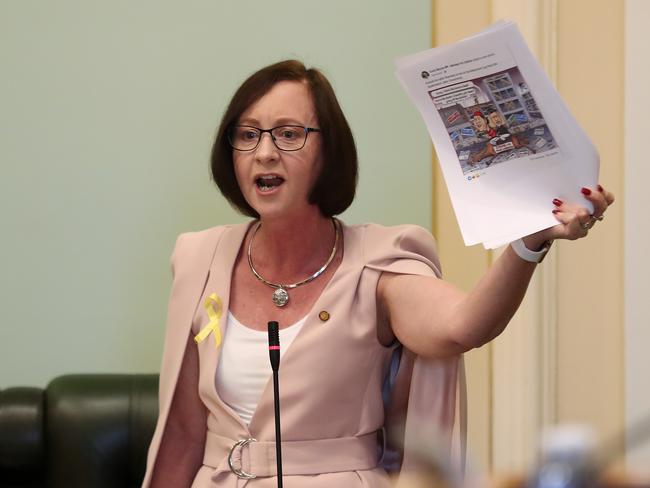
(215, 316)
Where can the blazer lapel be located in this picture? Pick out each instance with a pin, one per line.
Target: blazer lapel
(221, 270)
(189, 283)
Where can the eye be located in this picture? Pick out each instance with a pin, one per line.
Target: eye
(248, 134)
(245, 133)
(289, 133)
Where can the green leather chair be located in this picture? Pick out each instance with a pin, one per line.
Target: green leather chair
(82, 431)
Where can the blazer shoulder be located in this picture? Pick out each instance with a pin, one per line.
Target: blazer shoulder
(380, 239)
(407, 248)
(192, 241)
(194, 248)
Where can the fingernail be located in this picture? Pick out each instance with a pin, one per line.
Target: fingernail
(585, 191)
(557, 202)
(555, 210)
(600, 189)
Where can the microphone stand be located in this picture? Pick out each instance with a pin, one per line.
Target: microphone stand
(274, 355)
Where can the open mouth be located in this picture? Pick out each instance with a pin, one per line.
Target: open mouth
(268, 182)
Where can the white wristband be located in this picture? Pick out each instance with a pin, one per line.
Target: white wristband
(526, 254)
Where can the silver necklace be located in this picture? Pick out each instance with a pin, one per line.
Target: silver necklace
(281, 293)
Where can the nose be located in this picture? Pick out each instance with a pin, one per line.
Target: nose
(266, 150)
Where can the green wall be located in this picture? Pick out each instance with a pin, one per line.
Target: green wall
(108, 110)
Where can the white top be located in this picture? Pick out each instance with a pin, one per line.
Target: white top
(244, 366)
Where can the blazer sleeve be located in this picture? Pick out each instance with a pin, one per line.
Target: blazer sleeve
(403, 249)
(426, 410)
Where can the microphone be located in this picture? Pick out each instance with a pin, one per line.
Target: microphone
(274, 355)
(274, 345)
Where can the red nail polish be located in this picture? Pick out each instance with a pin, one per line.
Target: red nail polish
(557, 202)
(585, 191)
(555, 211)
(600, 189)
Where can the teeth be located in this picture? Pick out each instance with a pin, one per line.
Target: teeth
(263, 186)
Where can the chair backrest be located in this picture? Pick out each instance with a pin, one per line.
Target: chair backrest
(82, 431)
(22, 444)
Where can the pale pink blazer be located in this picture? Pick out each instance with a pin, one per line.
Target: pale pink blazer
(331, 377)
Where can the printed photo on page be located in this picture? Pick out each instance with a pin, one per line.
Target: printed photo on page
(492, 119)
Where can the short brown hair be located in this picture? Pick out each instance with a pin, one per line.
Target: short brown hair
(335, 187)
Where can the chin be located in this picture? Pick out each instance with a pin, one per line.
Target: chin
(275, 207)
(271, 212)
(268, 210)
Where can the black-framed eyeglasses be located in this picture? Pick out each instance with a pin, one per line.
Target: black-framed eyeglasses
(285, 137)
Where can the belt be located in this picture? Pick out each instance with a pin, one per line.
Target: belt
(248, 458)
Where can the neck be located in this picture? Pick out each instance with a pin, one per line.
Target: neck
(288, 249)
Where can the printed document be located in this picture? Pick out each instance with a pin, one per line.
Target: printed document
(506, 142)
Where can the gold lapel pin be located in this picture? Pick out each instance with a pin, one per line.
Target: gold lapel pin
(324, 315)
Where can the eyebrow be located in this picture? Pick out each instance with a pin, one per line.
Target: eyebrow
(278, 122)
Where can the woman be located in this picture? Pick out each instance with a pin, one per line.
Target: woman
(348, 295)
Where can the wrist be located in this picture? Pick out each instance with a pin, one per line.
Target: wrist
(536, 255)
(535, 242)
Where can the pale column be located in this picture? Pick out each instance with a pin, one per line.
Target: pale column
(637, 229)
(590, 271)
(524, 355)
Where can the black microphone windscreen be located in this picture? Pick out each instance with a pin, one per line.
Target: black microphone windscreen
(274, 334)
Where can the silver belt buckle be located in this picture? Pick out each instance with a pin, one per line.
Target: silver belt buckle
(238, 471)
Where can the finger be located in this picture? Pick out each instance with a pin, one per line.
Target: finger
(567, 210)
(598, 200)
(609, 196)
(571, 226)
(582, 212)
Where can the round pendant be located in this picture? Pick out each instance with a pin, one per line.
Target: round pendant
(280, 297)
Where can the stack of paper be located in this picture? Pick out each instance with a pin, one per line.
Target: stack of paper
(506, 142)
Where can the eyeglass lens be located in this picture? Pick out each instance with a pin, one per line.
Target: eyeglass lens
(285, 137)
